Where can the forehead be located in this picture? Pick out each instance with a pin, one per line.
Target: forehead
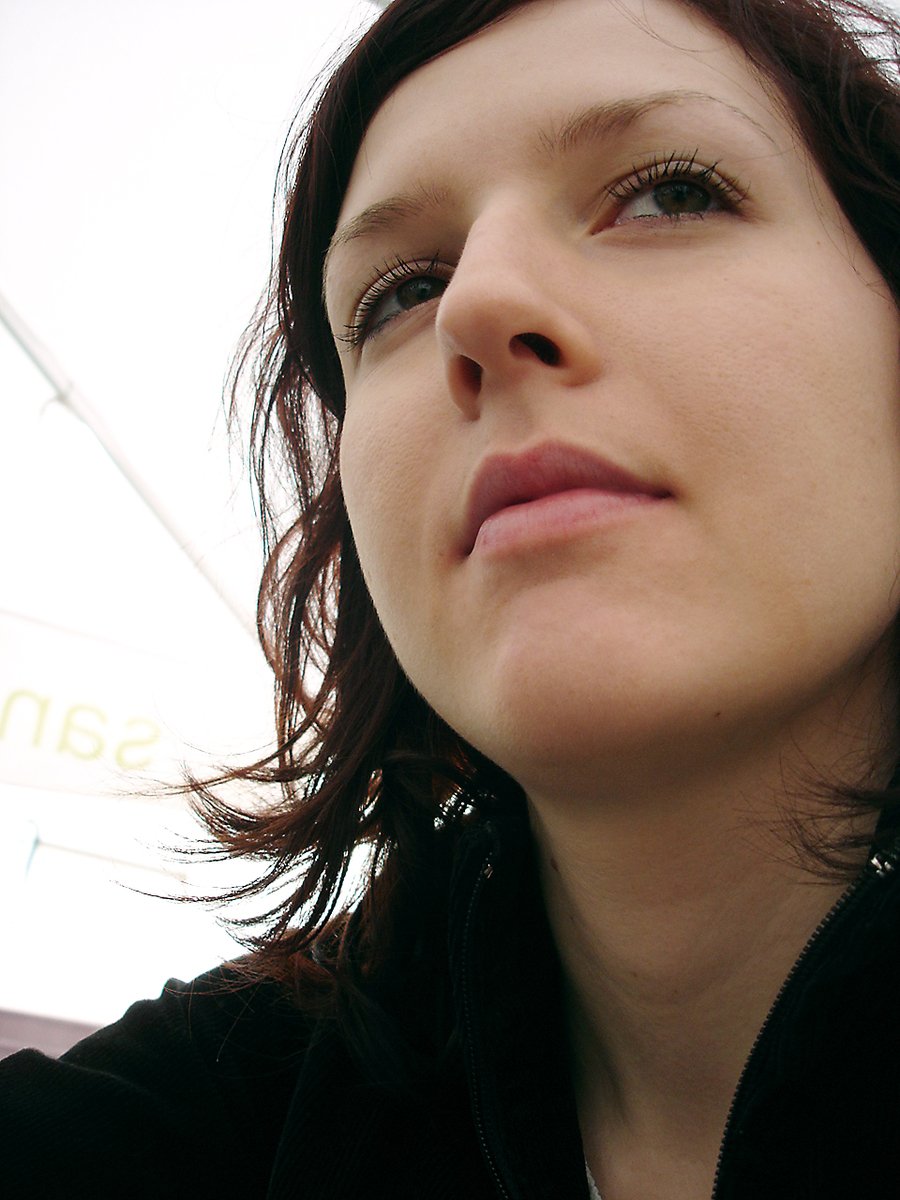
(481, 102)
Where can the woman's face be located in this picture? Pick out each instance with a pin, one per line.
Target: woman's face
(622, 446)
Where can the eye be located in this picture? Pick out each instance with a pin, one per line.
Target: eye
(673, 188)
(400, 287)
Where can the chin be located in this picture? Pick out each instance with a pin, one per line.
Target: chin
(549, 733)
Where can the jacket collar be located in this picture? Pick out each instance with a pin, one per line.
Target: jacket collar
(508, 997)
(816, 1109)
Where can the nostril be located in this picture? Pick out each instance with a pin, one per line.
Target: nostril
(546, 351)
(471, 373)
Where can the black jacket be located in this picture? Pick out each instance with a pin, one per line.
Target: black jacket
(221, 1089)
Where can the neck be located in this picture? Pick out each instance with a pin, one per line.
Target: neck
(676, 926)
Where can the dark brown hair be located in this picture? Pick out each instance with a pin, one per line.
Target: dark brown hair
(362, 760)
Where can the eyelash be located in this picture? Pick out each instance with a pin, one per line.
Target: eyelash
(674, 167)
(390, 274)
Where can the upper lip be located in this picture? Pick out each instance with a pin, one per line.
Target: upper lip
(506, 479)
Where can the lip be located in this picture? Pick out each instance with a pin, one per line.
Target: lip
(505, 481)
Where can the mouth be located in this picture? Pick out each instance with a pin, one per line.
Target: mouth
(504, 482)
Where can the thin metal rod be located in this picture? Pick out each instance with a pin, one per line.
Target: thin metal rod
(67, 394)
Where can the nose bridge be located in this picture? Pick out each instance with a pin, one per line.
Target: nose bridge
(513, 305)
(499, 260)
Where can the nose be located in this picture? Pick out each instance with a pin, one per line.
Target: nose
(513, 311)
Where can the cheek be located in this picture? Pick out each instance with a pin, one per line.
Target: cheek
(802, 450)
(385, 465)
(783, 377)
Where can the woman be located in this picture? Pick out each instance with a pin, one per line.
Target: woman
(597, 450)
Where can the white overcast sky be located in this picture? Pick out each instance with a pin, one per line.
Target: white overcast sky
(139, 144)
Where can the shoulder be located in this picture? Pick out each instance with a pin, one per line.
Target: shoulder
(206, 1068)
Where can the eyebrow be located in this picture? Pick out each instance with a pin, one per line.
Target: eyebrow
(594, 123)
(599, 121)
(384, 214)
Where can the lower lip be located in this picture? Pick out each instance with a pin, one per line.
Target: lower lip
(555, 518)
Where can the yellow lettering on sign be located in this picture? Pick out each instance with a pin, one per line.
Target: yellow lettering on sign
(84, 731)
(42, 703)
(76, 738)
(122, 750)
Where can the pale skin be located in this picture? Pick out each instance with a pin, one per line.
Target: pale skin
(663, 683)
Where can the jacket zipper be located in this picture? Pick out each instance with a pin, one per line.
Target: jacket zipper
(484, 874)
(878, 865)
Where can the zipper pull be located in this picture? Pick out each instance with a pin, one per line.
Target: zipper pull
(883, 863)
